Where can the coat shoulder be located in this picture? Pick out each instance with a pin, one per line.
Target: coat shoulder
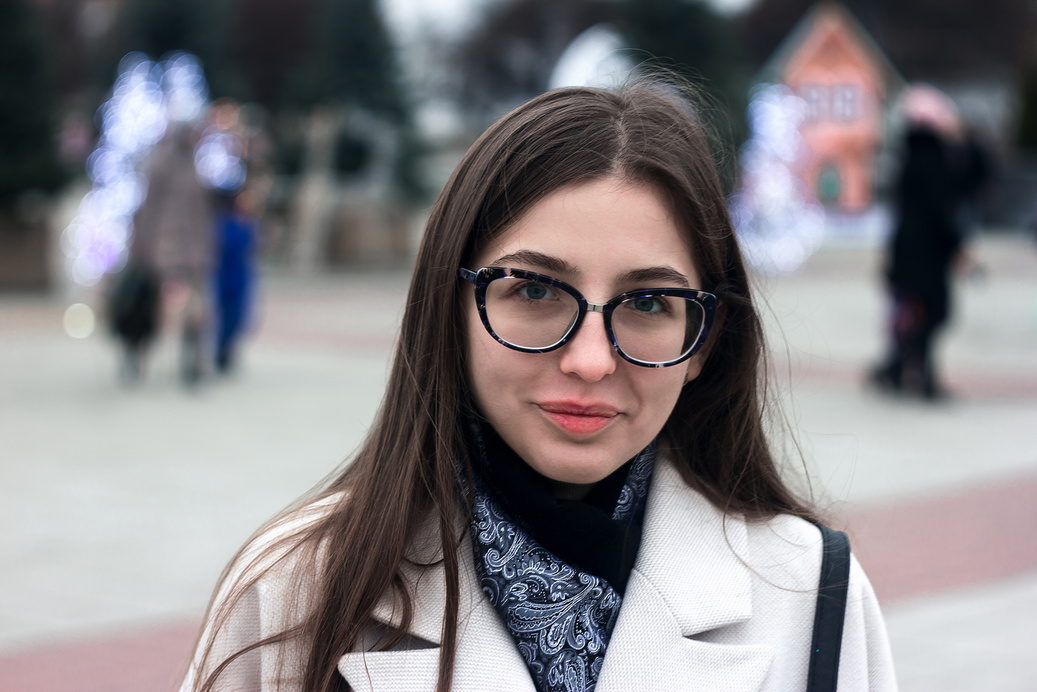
(783, 556)
(786, 550)
(271, 553)
(263, 592)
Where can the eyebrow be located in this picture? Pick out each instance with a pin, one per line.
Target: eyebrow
(539, 260)
(556, 265)
(656, 274)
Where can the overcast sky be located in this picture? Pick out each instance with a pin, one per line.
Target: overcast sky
(452, 17)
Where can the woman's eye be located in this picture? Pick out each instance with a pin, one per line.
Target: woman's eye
(534, 291)
(647, 304)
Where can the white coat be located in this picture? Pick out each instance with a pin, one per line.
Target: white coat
(713, 604)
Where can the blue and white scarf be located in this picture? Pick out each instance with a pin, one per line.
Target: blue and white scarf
(560, 617)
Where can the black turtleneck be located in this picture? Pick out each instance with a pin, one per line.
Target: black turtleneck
(580, 532)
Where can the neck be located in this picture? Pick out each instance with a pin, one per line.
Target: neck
(571, 491)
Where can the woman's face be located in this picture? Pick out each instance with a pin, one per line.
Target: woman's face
(580, 412)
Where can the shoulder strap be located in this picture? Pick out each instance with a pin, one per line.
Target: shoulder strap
(830, 612)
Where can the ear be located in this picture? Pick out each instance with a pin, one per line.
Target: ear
(696, 362)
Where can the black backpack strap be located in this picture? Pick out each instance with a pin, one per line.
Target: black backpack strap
(830, 612)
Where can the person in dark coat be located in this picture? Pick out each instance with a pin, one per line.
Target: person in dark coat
(925, 245)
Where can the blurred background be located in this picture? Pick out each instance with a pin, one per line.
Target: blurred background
(209, 212)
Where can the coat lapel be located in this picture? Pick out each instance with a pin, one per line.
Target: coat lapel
(487, 659)
(689, 579)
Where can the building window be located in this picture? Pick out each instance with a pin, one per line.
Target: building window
(846, 102)
(816, 97)
(836, 103)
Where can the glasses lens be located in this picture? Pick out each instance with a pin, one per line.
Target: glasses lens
(528, 313)
(657, 329)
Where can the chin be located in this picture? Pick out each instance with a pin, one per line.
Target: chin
(576, 467)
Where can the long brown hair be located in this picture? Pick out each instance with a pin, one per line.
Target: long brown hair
(407, 472)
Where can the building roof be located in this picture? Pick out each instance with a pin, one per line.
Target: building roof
(952, 40)
(819, 14)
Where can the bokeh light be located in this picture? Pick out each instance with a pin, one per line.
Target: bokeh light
(778, 220)
(79, 321)
(218, 160)
(597, 57)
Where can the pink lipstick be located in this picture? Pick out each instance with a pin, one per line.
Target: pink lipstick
(579, 419)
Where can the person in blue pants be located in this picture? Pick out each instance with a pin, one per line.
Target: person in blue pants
(235, 241)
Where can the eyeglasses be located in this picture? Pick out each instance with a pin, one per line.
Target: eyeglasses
(535, 313)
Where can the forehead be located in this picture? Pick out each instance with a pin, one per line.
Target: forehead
(601, 228)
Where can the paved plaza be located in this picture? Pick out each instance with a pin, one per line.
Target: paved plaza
(120, 505)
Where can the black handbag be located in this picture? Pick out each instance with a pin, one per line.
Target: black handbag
(825, 645)
(133, 304)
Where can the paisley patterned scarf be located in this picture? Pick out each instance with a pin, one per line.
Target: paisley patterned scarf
(560, 616)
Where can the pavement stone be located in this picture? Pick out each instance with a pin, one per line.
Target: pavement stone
(980, 638)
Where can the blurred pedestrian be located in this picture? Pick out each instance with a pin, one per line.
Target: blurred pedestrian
(235, 240)
(568, 486)
(173, 238)
(926, 243)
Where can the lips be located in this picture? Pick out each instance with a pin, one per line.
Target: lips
(578, 418)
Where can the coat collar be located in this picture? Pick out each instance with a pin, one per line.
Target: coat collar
(693, 556)
(690, 578)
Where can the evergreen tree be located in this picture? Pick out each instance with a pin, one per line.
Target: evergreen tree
(272, 41)
(694, 41)
(355, 65)
(157, 27)
(28, 157)
(509, 58)
(354, 61)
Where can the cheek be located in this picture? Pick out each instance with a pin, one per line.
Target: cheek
(684, 375)
(692, 367)
(667, 390)
(660, 389)
(480, 366)
(477, 355)
(491, 366)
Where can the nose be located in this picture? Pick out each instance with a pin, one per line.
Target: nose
(589, 354)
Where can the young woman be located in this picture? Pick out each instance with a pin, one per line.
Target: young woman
(567, 486)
